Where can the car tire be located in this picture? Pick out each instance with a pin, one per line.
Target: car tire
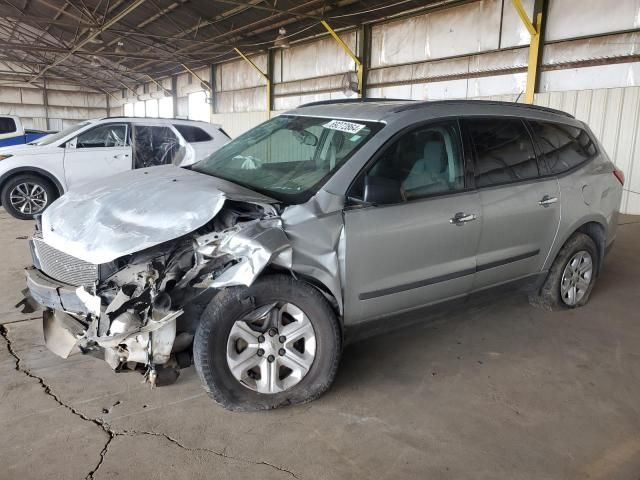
(214, 348)
(45, 194)
(554, 295)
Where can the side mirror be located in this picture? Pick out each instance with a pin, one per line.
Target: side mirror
(382, 191)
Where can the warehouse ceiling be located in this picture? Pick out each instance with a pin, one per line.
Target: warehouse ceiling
(111, 44)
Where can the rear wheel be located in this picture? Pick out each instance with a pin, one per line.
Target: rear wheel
(272, 344)
(25, 195)
(571, 277)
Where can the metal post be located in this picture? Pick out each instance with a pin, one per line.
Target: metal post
(212, 82)
(535, 30)
(364, 52)
(174, 89)
(45, 99)
(270, 62)
(345, 47)
(263, 75)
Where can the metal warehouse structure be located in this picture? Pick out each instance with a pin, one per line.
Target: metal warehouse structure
(237, 63)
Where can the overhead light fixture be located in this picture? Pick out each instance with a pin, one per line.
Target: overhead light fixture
(119, 47)
(281, 40)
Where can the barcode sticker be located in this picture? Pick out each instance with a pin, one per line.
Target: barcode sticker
(343, 126)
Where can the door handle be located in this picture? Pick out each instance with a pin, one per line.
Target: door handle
(121, 156)
(547, 201)
(461, 218)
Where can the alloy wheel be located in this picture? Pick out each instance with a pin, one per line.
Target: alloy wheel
(576, 278)
(28, 198)
(272, 348)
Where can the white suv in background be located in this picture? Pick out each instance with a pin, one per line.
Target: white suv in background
(33, 175)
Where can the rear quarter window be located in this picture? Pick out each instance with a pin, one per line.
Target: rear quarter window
(563, 147)
(193, 134)
(7, 125)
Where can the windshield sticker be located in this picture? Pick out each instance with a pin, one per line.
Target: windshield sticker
(343, 126)
(355, 138)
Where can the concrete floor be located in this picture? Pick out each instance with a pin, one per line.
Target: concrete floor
(499, 391)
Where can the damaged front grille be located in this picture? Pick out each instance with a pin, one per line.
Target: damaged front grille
(63, 267)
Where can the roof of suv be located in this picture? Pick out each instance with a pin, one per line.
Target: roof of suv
(183, 121)
(381, 109)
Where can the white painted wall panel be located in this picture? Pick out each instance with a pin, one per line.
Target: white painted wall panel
(237, 123)
(465, 29)
(573, 18)
(314, 59)
(239, 74)
(588, 78)
(514, 32)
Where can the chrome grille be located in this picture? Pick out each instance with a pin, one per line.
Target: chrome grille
(63, 267)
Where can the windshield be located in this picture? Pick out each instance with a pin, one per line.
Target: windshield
(288, 157)
(54, 137)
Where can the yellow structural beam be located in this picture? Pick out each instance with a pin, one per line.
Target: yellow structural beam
(204, 83)
(262, 74)
(534, 49)
(345, 47)
(168, 92)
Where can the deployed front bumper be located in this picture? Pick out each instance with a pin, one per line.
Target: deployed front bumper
(71, 317)
(61, 330)
(56, 295)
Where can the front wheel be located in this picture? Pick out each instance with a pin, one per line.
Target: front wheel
(272, 344)
(25, 195)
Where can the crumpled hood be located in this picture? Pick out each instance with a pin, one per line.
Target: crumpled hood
(129, 212)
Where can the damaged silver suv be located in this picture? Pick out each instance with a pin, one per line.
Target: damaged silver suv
(256, 263)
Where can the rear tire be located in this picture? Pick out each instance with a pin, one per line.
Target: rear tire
(26, 195)
(569, 273)
(266, 350)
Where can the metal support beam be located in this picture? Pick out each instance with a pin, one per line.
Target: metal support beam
(174, 87)
(345, 47)
(45, 100)
(108, 24)
(263, 75)
(535, 50)
(203, 83)
(270, 62)
(168, 92)
(364, 52)
(212, 82)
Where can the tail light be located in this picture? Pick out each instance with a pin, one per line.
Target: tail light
(619, 174)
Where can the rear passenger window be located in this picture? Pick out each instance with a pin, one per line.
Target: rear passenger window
(193, 134)
(562, 146)
(504, 152)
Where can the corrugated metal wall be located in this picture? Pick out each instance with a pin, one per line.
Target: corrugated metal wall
(66, 105)
(614, 116)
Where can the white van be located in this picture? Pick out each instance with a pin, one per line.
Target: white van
(34, 174)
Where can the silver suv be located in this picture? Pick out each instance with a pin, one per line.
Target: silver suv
(259, 261)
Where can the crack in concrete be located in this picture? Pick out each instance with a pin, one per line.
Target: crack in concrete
(207, 450)
(112, 434)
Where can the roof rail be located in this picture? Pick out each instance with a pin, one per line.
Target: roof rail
(119, 117)
(525, 106)
(354, 100)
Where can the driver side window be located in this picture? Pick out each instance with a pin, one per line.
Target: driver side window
(103, 136)
(423, 162)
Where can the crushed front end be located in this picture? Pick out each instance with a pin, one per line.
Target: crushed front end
(140, 311)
